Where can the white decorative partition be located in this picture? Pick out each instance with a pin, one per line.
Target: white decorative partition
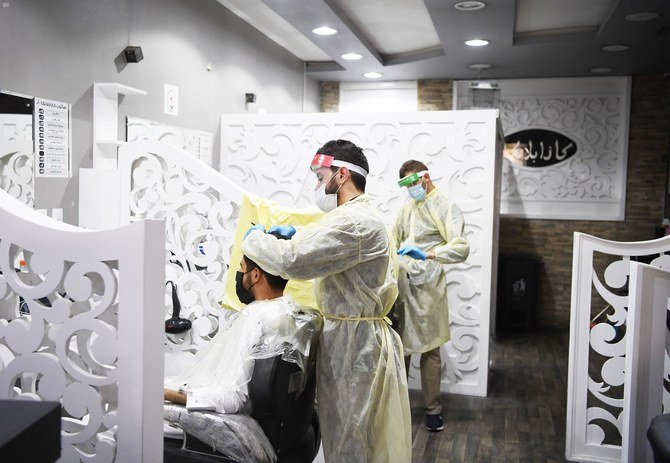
(195, 142)
(270, 155)
(647, 360)
(200, 208)
(91, 336)
(16, 169)
(598, 348)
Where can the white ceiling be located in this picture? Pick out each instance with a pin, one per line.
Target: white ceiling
(424, 39)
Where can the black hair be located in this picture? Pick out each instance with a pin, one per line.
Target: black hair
(411, 167)
(275, 281)
(344, 150)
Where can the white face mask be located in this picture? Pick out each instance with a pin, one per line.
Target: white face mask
(326, 201)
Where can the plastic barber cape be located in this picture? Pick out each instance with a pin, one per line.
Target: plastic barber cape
(422, 311)
(361, 383)
(218, 378)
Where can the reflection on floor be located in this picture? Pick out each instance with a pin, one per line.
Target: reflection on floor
(521, 420)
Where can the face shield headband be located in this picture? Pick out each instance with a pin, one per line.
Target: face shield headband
(325, 160)
(411, 179)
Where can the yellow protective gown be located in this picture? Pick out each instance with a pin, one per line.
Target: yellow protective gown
(361, 384)
(422, 311)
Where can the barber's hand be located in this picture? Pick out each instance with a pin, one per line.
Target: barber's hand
(413, 252)
(259, 227)
(284, 231)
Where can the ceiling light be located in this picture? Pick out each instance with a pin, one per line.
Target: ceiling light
(480, 66)
(621, 47)
(476, 42)
(325, 30)
(469, 6)
(352, 56)
(372, 75)
(602, 70)
(646, 16)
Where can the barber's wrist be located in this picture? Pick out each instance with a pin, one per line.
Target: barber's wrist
(430, 255)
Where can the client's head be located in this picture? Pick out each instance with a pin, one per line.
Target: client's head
(252, 283)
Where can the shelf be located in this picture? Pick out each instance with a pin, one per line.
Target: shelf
(110, 142)
(120, 89)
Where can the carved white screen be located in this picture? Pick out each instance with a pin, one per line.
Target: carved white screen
(16, 156)
(593, 113)
(270, 155)
(196, 142)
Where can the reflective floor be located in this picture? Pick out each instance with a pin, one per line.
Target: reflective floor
(521, 420)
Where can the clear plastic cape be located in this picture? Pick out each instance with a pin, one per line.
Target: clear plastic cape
(264, 329)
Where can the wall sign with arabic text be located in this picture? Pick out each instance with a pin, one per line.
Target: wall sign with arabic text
(538, 148)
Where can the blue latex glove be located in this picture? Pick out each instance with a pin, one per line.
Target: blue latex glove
(412, 251)
(285, 231)
(260, 227)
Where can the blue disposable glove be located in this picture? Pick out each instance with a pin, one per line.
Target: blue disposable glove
(260, 227)
(284, 231)
(412, 251)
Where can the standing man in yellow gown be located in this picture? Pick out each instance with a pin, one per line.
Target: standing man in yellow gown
(361, 381)
(429, 234)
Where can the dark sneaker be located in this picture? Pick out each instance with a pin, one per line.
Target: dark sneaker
(434, 423)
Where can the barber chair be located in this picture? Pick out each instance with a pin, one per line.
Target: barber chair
(283, 418)
(659, 438)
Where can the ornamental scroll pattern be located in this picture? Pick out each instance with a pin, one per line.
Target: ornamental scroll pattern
(16, 156)
(270, 156)
(58, 341)
(200, 226)
(594, 123)
(607, 353)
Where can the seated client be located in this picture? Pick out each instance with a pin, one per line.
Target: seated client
(272, 324)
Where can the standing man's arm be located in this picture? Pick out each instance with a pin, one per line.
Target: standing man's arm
(452, 228)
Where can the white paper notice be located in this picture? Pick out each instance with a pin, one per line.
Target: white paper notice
(171, 95)
(204, 148)
(52, 138)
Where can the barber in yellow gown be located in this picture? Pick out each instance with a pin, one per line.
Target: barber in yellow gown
(428, 233)
(361, 381)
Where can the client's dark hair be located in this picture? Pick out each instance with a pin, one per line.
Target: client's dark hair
(344, 150)
(275, 281)
(410, 167)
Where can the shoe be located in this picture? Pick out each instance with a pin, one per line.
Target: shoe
(434, 423)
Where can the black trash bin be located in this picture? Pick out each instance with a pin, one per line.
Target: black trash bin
(518, 282)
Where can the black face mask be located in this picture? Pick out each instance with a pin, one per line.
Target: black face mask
(243, 294)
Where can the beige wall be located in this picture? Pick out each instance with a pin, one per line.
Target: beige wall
(551, 240)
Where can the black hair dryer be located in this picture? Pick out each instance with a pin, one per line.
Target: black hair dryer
(176, 324)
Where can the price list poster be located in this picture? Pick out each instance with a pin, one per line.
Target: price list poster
(52, 138)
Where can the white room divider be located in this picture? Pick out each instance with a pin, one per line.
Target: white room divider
(16, 169)
(200, 207)
(599, 344)
(91, 336)
(646, 359)
(269, 154)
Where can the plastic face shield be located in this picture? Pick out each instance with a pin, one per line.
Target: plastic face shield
(321, 173)
(411, 179)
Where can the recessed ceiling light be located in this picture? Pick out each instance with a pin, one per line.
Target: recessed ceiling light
(325, 30)
(352, 56)
(476, 42)
(372, 75)
(646, 16)
(469, 6)
(480, 66)
(602, 70)
(621, 47)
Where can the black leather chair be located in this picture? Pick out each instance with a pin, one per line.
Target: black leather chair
(659, 438)
(282, 407)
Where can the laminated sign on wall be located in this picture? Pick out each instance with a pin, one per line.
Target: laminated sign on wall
(51, 138)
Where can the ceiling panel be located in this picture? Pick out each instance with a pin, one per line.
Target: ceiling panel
(542, 15)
